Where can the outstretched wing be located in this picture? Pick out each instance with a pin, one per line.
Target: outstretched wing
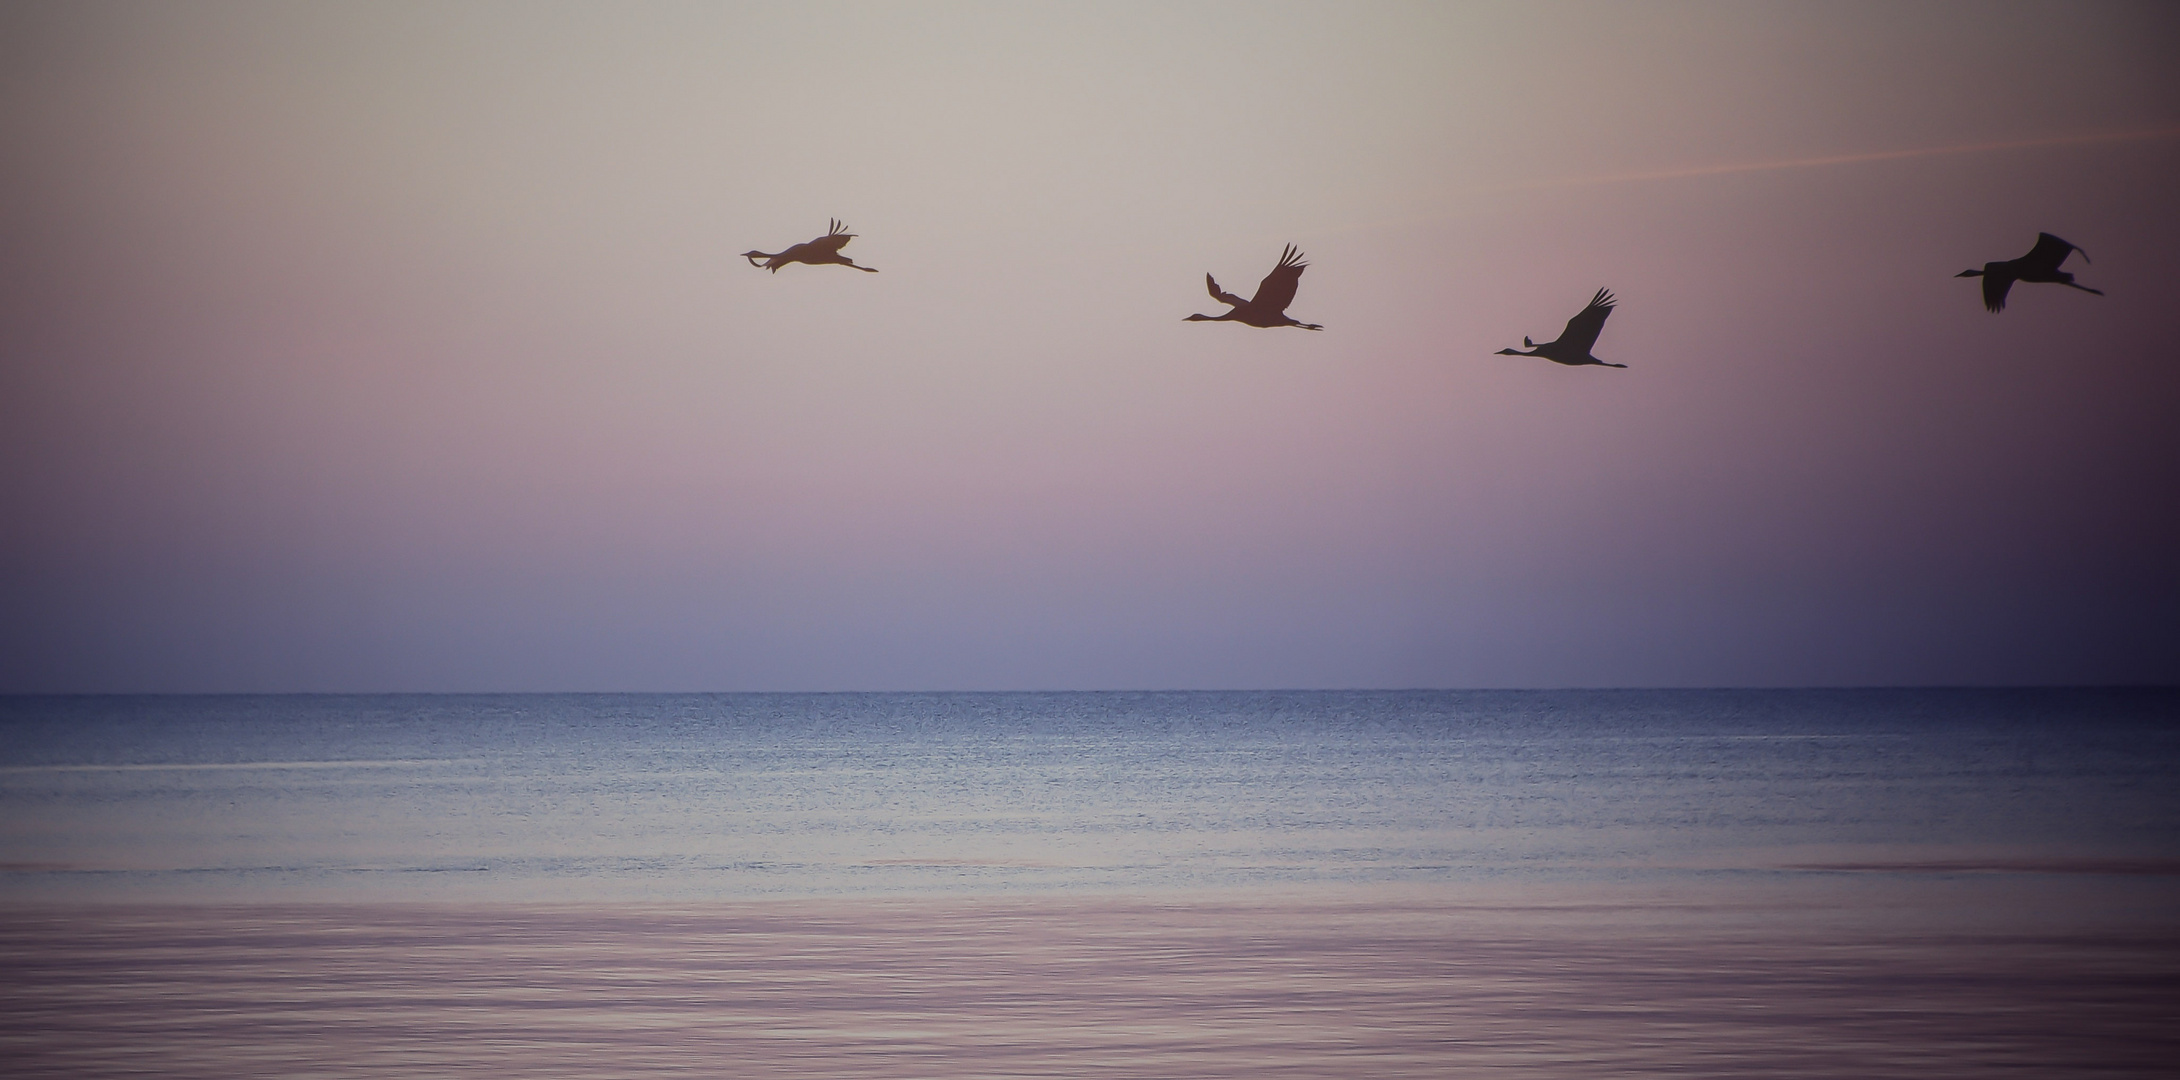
(1276, 291)
(1994, 290)
(836, 237)
(2048, 253)
(1582, 330)
(1221, 295)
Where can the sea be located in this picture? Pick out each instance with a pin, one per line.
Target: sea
(1345, 883)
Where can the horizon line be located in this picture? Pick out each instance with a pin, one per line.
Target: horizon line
(1744, 688)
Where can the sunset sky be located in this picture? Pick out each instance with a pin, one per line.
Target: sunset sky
(384, 347)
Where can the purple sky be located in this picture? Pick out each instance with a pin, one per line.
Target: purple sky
(404, 347)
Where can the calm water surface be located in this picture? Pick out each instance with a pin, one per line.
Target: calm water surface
(1881, 883)
(691, 797)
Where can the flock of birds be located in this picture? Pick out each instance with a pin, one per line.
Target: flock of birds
(1268, 308)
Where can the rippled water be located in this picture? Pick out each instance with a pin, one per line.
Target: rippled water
(1012, 987)
(1878, 883)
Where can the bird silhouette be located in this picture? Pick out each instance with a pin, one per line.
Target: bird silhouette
(2041, 264)
(1268, 307)
(824, 249)
(1575, 342)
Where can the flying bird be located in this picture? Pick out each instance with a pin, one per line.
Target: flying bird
(2041, 264)
(824, 249)
(1268, 307)
(1575, 342)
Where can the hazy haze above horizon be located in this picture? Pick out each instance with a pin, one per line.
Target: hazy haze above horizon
(406, 346)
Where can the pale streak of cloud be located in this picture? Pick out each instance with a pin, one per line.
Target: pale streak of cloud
(1846, 159)
(1695, 172)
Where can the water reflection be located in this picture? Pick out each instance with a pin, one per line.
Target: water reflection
(959, 987)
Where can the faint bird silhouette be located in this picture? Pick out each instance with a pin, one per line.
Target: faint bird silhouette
(2041, 264)
(1268, 307)
(824, 249)
(1575, 342)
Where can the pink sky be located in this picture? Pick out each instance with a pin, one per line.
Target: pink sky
(404, 347)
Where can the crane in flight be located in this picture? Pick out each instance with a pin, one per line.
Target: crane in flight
(824, 249)
(1575, 342)
(1268, 307)
(2041, 264)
